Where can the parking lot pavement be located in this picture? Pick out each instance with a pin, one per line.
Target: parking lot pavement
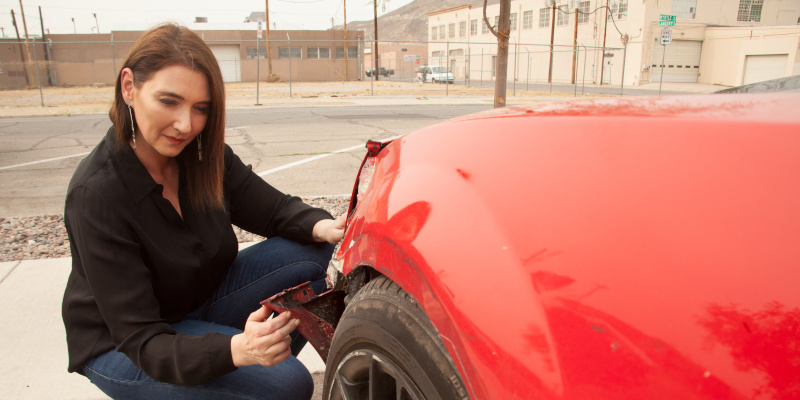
(33, 349)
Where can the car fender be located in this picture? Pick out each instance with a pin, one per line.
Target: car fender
(405, 241)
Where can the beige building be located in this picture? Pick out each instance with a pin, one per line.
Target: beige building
(727, 42)
(94, 59)
(403, 58)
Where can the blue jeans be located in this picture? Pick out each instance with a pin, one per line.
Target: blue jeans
(259, 272)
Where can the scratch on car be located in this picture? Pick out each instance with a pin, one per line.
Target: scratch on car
(464, 174)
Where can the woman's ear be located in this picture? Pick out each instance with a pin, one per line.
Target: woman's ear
(126, 85)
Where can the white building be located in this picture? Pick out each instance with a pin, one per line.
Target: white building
(727, 42)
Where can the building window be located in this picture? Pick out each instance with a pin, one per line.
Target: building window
(612, 9)
(318, 53)
(473, 27)
(527, 20)
(441, 32)
(433, 33)
(285, 52)
(496, 22)
(514, 21)
(544, 17)
(462, 29)
(451, 30)
(684, 9)
(563, 17)
(352, 52)
(622, 10)
(484, 27)
(750, 10)
(583, 12)
(437, 58)
(494, 66)
(251, 53)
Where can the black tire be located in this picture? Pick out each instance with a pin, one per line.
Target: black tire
(433, 81)
(386, 348)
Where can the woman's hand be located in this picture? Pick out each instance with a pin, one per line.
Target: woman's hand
(329, 230)
(263, 342)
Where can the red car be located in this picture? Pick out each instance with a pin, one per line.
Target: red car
(626, 248)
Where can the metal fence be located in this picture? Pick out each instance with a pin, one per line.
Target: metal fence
(66, 64)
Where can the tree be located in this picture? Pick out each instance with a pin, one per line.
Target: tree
(502, 34)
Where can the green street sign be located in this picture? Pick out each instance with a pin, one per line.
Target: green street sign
(666, 23)
(667, 17)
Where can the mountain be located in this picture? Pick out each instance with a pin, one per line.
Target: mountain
(410, 22)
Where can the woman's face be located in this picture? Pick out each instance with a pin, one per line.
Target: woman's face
(170, 109)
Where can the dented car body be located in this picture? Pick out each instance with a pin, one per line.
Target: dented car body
(621, 248)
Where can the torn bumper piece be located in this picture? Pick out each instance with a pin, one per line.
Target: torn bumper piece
(318, 314)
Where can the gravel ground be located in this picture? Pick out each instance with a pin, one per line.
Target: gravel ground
(44, 236)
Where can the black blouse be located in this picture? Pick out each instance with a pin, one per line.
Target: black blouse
(137, 266)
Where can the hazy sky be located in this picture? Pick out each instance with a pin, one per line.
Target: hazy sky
(142, 14)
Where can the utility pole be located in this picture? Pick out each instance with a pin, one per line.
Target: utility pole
(502, 35)
(375, 56)
(50, 80)
(21, 52)
(552, 36)
(272, 77)
(575, 48)
(603, 56)
(345, 38)
(27, 45)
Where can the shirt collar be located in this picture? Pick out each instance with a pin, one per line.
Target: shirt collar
(132, 172)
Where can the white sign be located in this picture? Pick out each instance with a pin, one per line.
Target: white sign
(409, 57)
(260, 35)
(666, 36)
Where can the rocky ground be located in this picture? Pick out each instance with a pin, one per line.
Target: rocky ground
(44, 236)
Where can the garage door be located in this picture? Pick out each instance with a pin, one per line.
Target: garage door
(681, 61)
(764, 67)
(229, 59)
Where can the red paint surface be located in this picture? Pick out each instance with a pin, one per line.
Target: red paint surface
(608, 249)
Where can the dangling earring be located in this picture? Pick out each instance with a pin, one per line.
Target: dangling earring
(133, 128)
(199, 148)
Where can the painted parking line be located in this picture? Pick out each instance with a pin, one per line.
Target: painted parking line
(42, 161)
(317, 157)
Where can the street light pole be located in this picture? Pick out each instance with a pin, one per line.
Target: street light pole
(74, 30)
(96, 23)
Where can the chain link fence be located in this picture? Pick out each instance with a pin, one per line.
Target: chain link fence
(55, 63)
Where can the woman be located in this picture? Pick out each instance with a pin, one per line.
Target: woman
(159, 304)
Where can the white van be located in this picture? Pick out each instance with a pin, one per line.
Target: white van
(435, 74)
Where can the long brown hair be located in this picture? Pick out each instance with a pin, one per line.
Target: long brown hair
(167, 45)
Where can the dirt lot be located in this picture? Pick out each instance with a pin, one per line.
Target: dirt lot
(80, 100)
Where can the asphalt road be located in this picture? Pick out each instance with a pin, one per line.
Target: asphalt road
(305, 151)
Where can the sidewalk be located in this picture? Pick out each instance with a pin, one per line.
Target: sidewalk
(33, 354)
(91, 100)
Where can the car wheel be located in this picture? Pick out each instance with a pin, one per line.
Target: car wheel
(386, 348)
(433, 80)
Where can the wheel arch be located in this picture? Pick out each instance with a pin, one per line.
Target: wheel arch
(399, 242)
